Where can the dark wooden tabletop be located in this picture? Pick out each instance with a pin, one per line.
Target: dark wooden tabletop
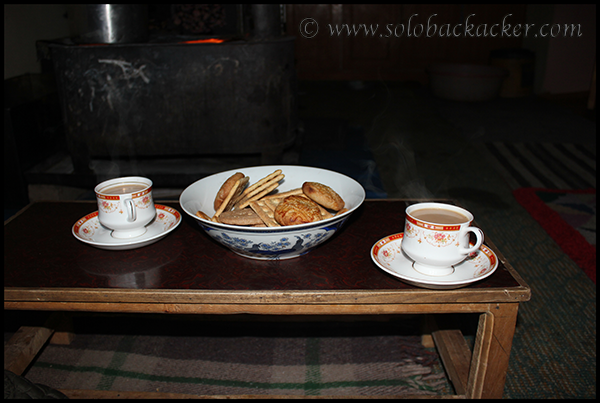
(41, 252)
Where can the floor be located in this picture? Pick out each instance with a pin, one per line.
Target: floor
(415, 138)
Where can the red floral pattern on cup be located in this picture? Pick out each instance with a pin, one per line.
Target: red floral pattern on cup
(440, 239)
(143, 202)
(411, 231)
(109, 206)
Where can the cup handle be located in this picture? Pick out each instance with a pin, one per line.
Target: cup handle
(131, 210)
(478, 234)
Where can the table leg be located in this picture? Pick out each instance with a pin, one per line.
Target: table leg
(492, 351)
(27, 342)
(456, 357)
(23, 346)
(63, 329)
(428, 327)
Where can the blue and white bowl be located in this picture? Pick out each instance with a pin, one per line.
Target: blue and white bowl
(272, 242)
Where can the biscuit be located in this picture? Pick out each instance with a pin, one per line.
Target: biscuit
(265, 212)
(259, 183)
(272, 203)
(324, 212)
(240, 217)
(237, 193)
(201, 214)
(297, 210)
(260, 191)
(324, 195)
(253, 188)
(274, 200)
(226, 188)
(235, 190)
(282, 195)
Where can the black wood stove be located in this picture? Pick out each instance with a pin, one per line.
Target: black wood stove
(177, 96)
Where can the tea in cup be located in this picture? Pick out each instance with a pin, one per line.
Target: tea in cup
(125, 205)
(436, 237)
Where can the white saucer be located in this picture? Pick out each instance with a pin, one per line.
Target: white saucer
(89, 230)
(388, 255)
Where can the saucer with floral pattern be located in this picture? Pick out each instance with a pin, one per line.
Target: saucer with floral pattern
(89, 230)
(388, 255)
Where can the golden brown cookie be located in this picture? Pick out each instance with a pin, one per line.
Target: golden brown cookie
(236, 189)
(201, 214)
(342, 211)
(324, 195)
(295, 210)
(235, 194)
(265, 211)
(245, 216)
(282, 195)
(259, 189)
(226, 188)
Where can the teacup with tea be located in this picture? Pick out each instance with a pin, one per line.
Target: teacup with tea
(436, 237)
(125, 205)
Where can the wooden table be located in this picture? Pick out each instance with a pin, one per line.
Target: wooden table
(46, 268)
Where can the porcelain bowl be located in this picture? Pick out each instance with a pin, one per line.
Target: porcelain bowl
(272, 242)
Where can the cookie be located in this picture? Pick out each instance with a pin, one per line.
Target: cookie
(324, 212)
(226, 188)
(259, 189)
(201, 214)
(265, 211)
(236, 189)
(261, 182)
(252, 188)
(282, 195)
(245, 216)
(236, 194)
(295, 210)
(342, 211)
(324, 195)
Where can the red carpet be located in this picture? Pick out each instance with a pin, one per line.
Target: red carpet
(543, 205)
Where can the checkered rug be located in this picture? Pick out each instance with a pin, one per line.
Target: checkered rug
(569, 217)
(241, 358)
(556, 184)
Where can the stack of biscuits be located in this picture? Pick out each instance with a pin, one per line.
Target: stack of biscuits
(256, 205)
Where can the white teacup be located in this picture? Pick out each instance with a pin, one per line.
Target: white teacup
(125, 205)
(436, 237)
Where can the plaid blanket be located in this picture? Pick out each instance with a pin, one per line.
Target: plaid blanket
(247, 357)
